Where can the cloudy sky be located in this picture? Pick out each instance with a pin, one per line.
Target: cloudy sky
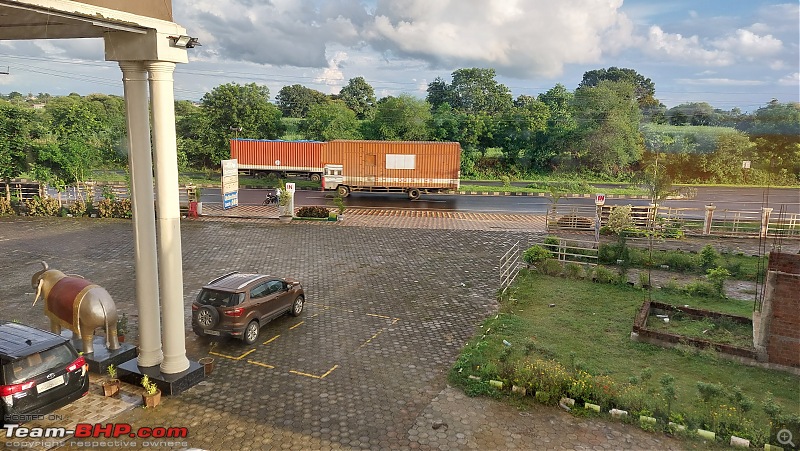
(729, 53)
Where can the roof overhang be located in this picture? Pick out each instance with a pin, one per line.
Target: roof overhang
(128, 36)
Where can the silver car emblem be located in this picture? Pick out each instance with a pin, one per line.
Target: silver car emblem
(51, 375)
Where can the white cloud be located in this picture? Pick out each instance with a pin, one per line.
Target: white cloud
(333, 76)
(516, 37)
(749, 45)
(790, 80)
(687, 50)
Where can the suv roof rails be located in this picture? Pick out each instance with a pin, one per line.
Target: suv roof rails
(222, 277)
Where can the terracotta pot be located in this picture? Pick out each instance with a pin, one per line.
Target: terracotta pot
(152, 400)
(208, 365)
(111, 387)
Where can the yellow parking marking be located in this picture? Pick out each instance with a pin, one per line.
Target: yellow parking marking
(296, 325)
(260, 364)
(230, 356)
(378, 332)
(379, 316)
(271, 340)
(313, 375)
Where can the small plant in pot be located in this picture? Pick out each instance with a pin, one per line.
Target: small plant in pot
(339, 202)
(122, 327)
(111, 386)
(152, 395)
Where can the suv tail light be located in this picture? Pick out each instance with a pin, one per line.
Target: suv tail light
(235, 312)
(8, 390)
(79, 363)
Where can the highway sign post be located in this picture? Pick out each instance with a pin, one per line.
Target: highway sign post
(599, 201)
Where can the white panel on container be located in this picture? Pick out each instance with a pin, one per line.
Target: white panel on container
(400, 161)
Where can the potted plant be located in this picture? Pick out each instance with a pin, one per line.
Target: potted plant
(111, 386)
(122, 327)
(339, 202)
(152, 395)
(285, 205)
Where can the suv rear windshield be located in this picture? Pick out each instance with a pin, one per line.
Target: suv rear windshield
(38, 363)
(219, 298)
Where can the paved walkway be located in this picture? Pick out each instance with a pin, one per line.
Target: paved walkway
(390, 304)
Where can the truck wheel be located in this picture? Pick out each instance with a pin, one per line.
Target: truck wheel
(413, 194)
(315, 178)
(343, 191)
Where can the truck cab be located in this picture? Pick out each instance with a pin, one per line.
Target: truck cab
(332, 178)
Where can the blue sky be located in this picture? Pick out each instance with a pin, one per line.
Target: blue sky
(729, 53)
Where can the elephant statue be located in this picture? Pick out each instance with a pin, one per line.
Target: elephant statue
(77, 304)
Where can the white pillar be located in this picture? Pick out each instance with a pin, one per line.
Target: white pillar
(140, 161)
(765, 213)
(168, 209)
(709, 219)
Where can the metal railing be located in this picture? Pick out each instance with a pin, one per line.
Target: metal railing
(707, 221)
(509, 267)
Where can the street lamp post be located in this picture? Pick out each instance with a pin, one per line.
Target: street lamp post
(236, 131)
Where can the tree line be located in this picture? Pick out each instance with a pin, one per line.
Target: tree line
(611, 127)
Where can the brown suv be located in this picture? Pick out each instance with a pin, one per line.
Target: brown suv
(238, 304)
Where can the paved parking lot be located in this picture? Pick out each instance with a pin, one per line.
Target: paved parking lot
(363, 368)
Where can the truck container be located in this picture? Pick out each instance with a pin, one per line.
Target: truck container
(412, 167)
(260, 157)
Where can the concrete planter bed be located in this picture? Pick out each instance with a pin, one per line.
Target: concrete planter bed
(642, 333)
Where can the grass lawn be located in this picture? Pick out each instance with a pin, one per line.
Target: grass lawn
(586, 326)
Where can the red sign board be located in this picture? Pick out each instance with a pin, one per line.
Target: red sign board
(600, 199)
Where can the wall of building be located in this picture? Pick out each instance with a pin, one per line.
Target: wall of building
(781, 309)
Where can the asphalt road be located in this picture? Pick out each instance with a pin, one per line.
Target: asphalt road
(732, 198)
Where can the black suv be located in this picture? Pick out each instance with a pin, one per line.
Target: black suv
(39, 372)
(239, 304)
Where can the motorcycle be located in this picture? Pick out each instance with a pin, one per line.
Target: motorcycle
(270, 198)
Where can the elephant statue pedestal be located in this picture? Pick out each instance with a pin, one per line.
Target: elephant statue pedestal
(169, 384)
(99, 360)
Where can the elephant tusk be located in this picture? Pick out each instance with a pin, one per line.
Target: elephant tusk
(38, 291)
(46, 267)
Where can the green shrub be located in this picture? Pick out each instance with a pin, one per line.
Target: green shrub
(703, 289)
(550, 267)
(552, 243)
(77, 208)
(680, 261)
(708, 257)
(573, 270)
(717, 278)
(5, 207)
(506, 181)
(536, 254)
(105, 208)
(313, 212)
(604, 275)
(39, 206)
(121, 208)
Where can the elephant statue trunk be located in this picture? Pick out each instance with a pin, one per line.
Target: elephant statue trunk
(77, 304)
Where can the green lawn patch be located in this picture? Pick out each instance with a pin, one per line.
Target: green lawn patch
(566, 337)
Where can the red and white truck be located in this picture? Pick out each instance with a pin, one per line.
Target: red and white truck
(412, 167)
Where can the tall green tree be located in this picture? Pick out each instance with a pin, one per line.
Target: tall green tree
(359, 96)
(296, 100)
(238, 106)
(401, 118)
(517, 128)
(558, 136)
(475, 90)
(644, 88)
(608, 137)
(17, 133)
(776, 131)
(332, 120)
